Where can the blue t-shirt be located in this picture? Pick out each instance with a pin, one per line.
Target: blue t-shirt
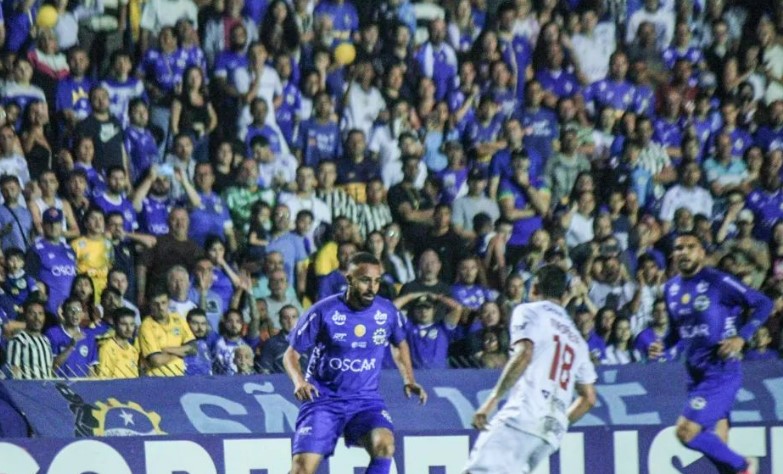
(541, 130)
(348, 346)
(83, 356)
(429, 344)
(154, 215)
(319, 142)
(767, 208)
(125, 207)
(331, 284)
(608, 93)
(142, 150)
(73, 94)
(769, 138)
(704, 310)
(209, 219)
(55, 265)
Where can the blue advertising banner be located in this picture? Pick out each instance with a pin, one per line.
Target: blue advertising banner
(598, 450)
(639, 395)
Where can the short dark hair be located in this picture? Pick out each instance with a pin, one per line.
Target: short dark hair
(122, 312)
(552, 281)
(14, 252)
(195, 312)
(361, 258)
(9, 178)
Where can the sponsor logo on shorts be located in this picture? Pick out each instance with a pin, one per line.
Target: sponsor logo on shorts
(698, 403)
(338, 318)
(339, 336)
(360, 330)
(352, 365)
(305, 431)
(380, 318)
(379, 337)
(701, 303)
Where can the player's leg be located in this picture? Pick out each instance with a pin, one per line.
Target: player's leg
(317, 428)
(370, 427)
(379, 444)
(696, 428)
(305, 463)
(504, 450)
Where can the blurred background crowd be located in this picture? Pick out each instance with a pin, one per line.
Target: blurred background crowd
(181, 179)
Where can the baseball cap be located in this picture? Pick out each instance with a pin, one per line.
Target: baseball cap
(745, 215)
(52, 215)
(424, 302)
(477, 174)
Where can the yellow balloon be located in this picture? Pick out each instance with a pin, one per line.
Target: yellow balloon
(345, 53)
(47, 17)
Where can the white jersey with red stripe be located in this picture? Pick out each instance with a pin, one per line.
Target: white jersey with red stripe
(539, 401)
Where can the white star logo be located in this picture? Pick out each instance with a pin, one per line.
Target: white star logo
(127, 418)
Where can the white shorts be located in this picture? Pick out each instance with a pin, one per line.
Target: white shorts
(504, 450)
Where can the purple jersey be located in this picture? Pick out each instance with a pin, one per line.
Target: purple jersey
(154, 215)
(646, 338)
(55, 265)
(517, 51)
(472, 296)
(704, 310)
(608, 93)
(541, 130)
(164, 70)
(286, 114)
(454, 182)
(332, 284)
(672, 54)
(477, 132)
(769, 138)
(559, 83)
(209, 219)
(429, 344)
(667, 133)
(319, 141)
(344, 17)
(524, 227)
(142, 150)
(644, 100)
(83, 356)
(768, 209)
(267, 132)
(348, 345)
(740, 141)
(18, 287)
(73, 94)
(124, 206)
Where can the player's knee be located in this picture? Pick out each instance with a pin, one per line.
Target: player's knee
(301, 465)
(686, 431)
(382, 445)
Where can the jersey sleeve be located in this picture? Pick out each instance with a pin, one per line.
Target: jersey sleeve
(735, 293)
(522, 325)
(148, 343)
(304, 336)
(585, 373)
(398, 332)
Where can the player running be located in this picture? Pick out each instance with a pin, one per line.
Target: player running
(703, 305)
(550, 361)
(348, 335)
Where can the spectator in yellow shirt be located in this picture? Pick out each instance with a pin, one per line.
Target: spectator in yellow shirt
(94, 252)
(118, 358)
(165, 338)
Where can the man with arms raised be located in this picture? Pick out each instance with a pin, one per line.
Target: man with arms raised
(703, 306)
(550, 361)
(348, 334)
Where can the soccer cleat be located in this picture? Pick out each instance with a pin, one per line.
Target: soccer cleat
(753, 466)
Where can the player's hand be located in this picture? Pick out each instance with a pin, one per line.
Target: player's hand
(481, 417)
(306, 392)
(731, 347)
(416, 389)
(655, 351)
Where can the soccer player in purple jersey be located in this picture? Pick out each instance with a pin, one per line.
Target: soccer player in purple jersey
(348, 334)
(702, 305)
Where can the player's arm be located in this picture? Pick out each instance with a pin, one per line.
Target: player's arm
(585, 400)
(402, 358)
(303, 390)
(520, 359)
(759, 306)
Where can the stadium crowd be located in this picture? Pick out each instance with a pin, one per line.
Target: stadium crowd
(181, 179)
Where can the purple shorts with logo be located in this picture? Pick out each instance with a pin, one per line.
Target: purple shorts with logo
(321, 422)
(708, 401)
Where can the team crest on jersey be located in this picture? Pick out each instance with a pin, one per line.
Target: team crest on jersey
(360, 330)
(698, 403)
(686, 298)
(379, 337)
(432, 334)
(175, 331)
(84, 350)
(380, 318)
(701, 303)
(338, 318)
(702, 287)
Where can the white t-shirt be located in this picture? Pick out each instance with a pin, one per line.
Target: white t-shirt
(363, 108)
(160, 13)
(539, 401)
(267, 88)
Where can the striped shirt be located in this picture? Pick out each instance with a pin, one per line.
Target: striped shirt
(340, 202)
(653, 158)
(30, 356)
(373, 217)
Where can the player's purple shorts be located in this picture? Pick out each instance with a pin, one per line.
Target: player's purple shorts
(711, 400)
(321, 422)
